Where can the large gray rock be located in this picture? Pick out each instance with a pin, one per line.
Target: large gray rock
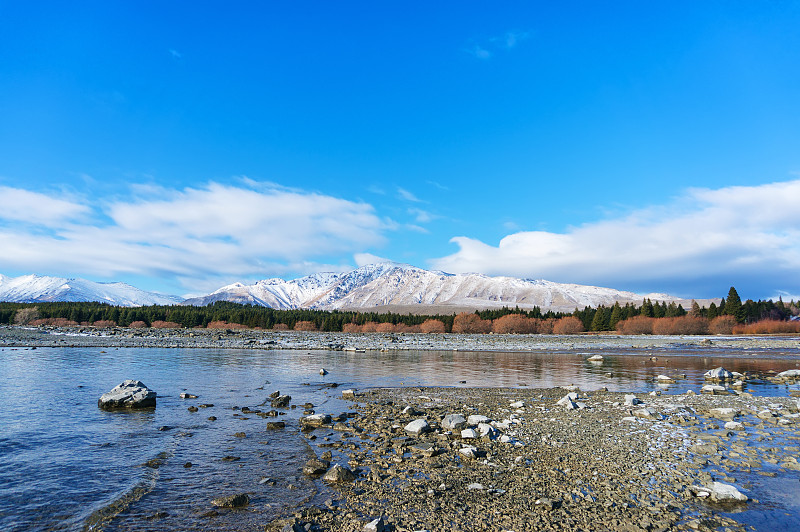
(719, 492)
(232, 501)
(454, 422)
(418, 426)
(339, 474)
(282, 401)
(718, 374)
(129, 394)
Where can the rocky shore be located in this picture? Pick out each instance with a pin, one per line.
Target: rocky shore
(47, 336)
(508, 459)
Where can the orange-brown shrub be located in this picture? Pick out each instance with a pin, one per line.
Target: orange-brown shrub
(104, 323)
(514, 324)
(471, 323)
(351, 328)
(403, 328)
(636, 325)
(280, 327)
(431, 326)
(369, 327)
(768, 327)
(137, 325)
(222, 324)
(386, 327)
(55, 322)
(680, 325)
(568, 325)
(158, 324)
(722, 325)
(305, 326)
(546, 326)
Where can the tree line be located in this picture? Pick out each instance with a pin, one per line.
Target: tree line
(646, 318)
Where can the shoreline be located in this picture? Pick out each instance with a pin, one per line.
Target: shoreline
(50, 336)
(540, 465)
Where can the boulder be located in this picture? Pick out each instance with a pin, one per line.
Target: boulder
(348, 394)
(469, 434)
(789, 374)
(719, 492)
(376, 525)
(474, 419)
(632, 400)
(339, 474)
(647, 413)
(454, 422)
(718, 374)
(128, 394)
(727, 414)
(232, 501)
(418, 426)
(664, 379)
(714, 389)
(316, 466)
(595, 358)
(282, 401)
(315, 420)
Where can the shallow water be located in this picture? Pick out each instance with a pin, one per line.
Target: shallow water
(67, 465)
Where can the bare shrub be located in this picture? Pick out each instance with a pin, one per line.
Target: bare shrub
(636, 325)
(104, 323)
(681, 325)
(369, 327)
(280, 327)
(386, 327)
(158, 324)
(25, 316)
(768, 327)
(54, 322)
(351, 328)
(403, 328)
(546, 326)
(514, 324)
(432, 326)
(305, 326)
(471, 323)
(568, 325)
(722, 325)
(137, 325)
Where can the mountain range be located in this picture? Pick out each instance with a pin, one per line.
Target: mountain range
(376, 287)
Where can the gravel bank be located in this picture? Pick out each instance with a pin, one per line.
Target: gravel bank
(538, 465)
(253, 339)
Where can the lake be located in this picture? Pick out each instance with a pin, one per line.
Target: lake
(67, 465)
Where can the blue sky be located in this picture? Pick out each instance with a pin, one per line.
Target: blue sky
(648, 146)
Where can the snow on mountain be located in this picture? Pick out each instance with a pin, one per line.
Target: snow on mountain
(37, 288)
(401, 285)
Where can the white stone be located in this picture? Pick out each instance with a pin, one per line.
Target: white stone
(734, 425)
(789, 374)
(484, 429)
(128, 394)
(631, 400)
(323, 372)
(720, 492)
(469, 451)
(454, 422)
(723, 413)
(348, 394)
(718, 374)
(469, 434)
(595, 358)
(474, 419)
(418, 426)
(475, 486)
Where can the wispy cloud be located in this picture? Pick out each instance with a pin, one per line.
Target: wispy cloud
(739, 232)
(486, 49)
(192, 234)
(422, 216)
(437, 185)
(407, 196)
(175, 53)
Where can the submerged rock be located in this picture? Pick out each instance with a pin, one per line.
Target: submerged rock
(719, 492)
(128, 394)
(232, 501)
(718, 374)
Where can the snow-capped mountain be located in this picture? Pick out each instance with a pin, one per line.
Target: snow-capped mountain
(401, 285)
(36, 288)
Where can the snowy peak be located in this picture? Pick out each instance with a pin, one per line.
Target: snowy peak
(37, 288)
(402, 285)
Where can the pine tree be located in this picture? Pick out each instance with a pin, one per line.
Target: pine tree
(733, 305)
(616, 317)
(646, 309)
(695, 312)
(598, 322)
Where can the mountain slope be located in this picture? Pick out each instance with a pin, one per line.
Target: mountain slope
(390, 285)
(36, 288)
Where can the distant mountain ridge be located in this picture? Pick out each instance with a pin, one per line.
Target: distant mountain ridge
(380, 287)
(388, 285)
(40, 289)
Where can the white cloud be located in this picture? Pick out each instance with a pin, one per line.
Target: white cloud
(36, 208)
(191, 234)
(422, 216)
(363, 259)
(406, 195)
(479, 52)
(175, 53)
(734, 231)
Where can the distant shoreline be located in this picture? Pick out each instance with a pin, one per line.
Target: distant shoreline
(120, 337)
